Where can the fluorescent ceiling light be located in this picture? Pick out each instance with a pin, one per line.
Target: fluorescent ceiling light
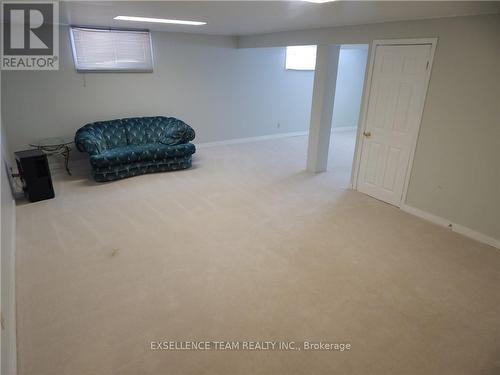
(319, 1)
(159, 20)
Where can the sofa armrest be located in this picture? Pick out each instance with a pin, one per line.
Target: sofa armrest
(88, 142)
(178, 132)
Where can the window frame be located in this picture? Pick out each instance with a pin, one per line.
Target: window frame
(127, 70)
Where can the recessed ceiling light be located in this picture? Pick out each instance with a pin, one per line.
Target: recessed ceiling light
(159, 20)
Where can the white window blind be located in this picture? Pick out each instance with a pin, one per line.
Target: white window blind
(300, 58)
(111, 50)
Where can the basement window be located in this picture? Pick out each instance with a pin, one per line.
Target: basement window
(109, 50)
(300, 58)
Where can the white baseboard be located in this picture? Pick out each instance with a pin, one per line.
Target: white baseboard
(251, 139)
(344, 129)
(467, 232)
(57, 168)
(268, 137)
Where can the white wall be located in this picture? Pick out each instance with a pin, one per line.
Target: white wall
(222, 91)
(8, 299)
(349, 88)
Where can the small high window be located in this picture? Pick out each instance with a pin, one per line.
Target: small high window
(300, 58)
(104, 50)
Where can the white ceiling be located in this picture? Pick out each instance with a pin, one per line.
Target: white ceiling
(257, 17)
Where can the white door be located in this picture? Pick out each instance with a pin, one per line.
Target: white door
(395, 104)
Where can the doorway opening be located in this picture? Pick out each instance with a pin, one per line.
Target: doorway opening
(346, 109)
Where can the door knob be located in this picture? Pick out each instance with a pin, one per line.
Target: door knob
(367, 134)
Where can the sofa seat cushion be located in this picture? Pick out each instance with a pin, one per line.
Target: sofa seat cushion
(140, 153)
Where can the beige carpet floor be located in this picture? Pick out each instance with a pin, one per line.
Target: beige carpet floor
(246, 246)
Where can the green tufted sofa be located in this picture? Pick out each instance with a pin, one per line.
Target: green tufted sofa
(133, 146)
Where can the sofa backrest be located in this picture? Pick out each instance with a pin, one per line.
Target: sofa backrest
(112, 132)
(143, 130)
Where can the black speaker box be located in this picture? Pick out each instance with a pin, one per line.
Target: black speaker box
(34, 171)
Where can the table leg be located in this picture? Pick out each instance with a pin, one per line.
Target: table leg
(66, 159)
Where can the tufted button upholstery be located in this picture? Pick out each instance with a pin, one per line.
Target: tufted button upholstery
(130, 146)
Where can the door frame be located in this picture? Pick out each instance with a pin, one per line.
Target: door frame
(364, 107)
